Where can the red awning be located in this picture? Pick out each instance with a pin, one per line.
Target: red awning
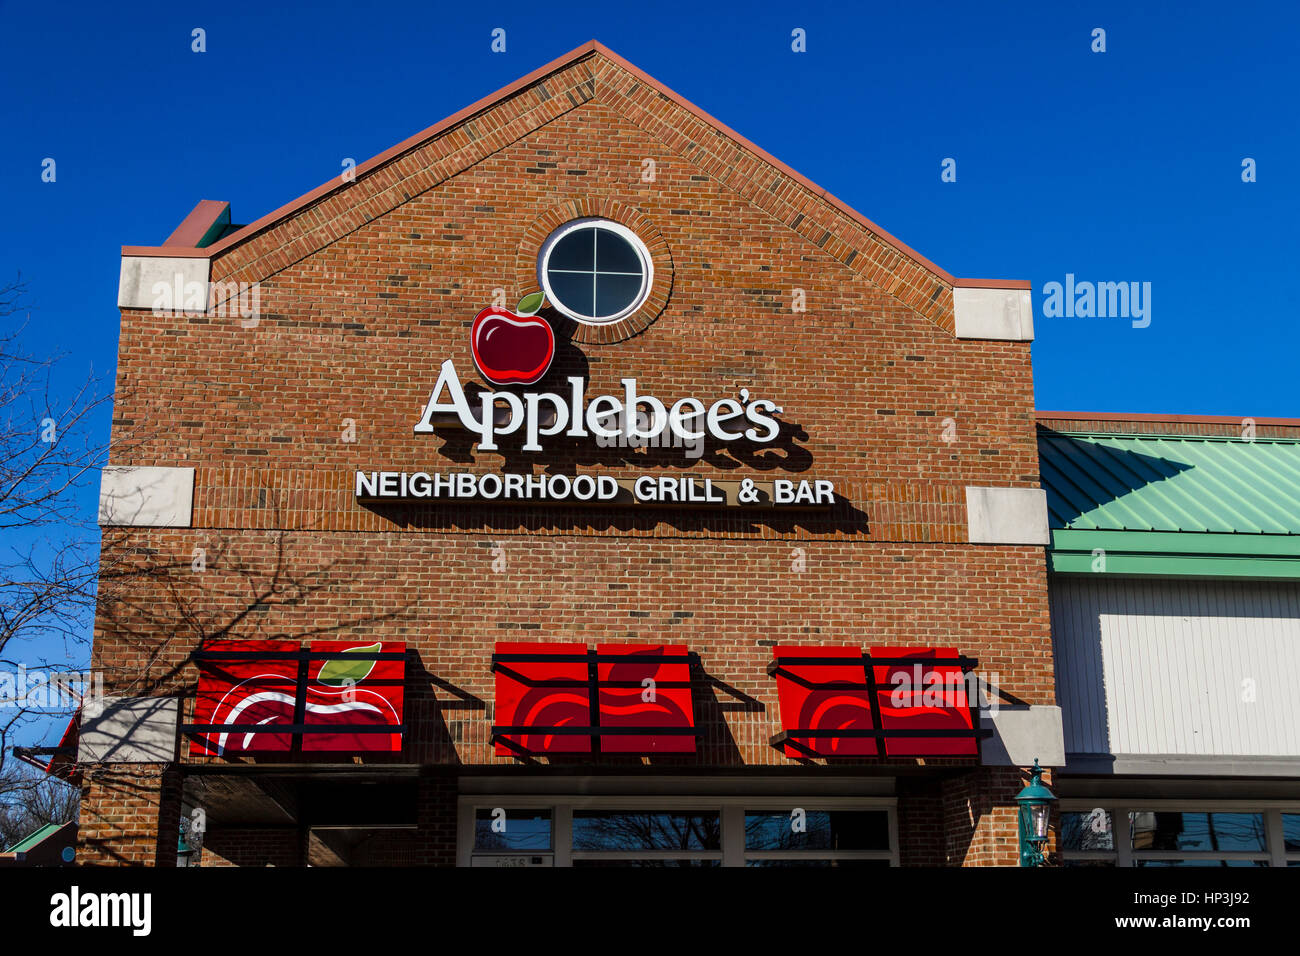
(345, 687)
(275, 697)
(545, 695)
(255, 686)
(818, 693)
(543, 689)
(645, 685)
(924, 695)
(840, 702)
(63, 763)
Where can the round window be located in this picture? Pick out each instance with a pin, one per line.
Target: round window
(595, 271)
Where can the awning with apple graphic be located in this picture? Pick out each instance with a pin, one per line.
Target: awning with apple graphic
(258, 697)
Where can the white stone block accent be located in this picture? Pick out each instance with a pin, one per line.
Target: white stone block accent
(1007, 516)
(1005, 314)
(146, 497)
(1022, 735)
(129, 730)
(171, 284)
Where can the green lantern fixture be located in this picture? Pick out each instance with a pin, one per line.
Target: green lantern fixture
(1035, 815)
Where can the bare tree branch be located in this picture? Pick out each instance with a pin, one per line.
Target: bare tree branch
(50, 453)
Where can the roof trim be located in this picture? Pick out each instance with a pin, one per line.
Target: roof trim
(588, 49)
(201, 226)
(984, 283)
(1156, 417)
(1174, 554)
(43, 832)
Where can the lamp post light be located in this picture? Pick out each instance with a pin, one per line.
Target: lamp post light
(1035, 814)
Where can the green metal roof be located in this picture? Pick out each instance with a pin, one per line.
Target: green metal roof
(1172, 504)
(32, 839)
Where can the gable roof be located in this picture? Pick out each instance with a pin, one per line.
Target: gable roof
(838, 229)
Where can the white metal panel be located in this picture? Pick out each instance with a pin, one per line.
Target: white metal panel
(1162, 666)
(1080, 684)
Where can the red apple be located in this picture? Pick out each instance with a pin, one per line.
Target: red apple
(511, 349)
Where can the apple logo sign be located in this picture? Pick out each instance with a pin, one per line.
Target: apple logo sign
(513, 348)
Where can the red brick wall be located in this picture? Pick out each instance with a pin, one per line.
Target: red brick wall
(364, 294)
(357, 331)
(920, 822)
(130, 815)
(981, 818)
(235, 846)
(728, 600)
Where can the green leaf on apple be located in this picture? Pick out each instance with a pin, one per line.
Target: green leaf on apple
(337, 671)
(529, 304)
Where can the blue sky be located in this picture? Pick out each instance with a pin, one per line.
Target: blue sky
(1115, 166)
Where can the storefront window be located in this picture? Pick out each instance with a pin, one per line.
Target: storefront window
(595, 271)
(1291, 832)
(503, 829)
(1198, 862)
(679, 832)
(817, 837)
(1087, 831)
(817, 830)
(654, 863)
(1202, 832)
(817, 863)
(1071, 862)
(603, 830)
(1156, 836)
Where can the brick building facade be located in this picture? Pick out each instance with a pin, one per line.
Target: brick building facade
(233, 514)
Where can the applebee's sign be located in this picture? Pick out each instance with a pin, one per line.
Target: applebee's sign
(516, 348)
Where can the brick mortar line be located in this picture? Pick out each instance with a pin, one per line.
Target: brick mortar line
(826, 537)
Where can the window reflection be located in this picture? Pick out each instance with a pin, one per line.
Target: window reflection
(1153, 830)
(1291, 831)
(1069, 862)
(1087, 830)
(818, 863)
(817, 830)
(517, 830)
(1193, 862)
(646, 863)
(595, 830)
